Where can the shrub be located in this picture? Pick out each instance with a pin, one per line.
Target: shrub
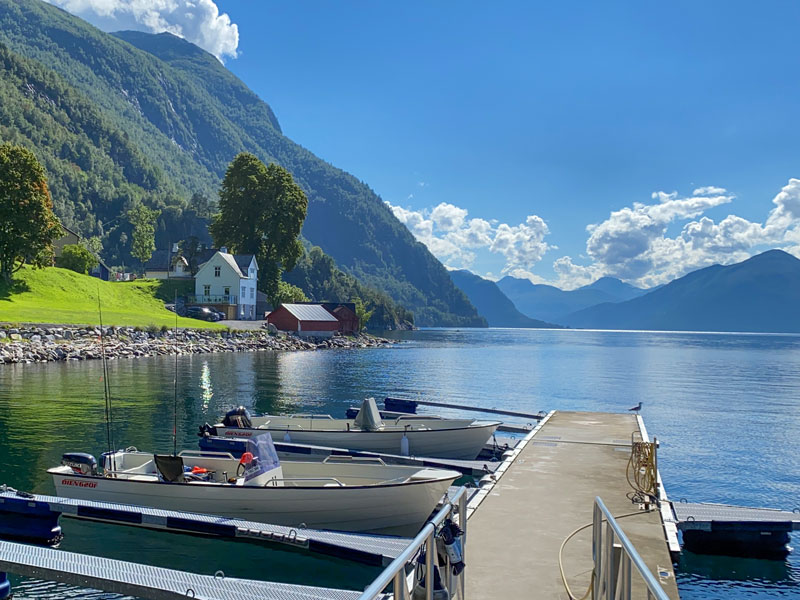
(76, 258)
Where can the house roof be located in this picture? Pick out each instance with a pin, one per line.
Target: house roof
(228, 258)
(309, 312)
(159, 261)
(243, 260)
(68, 231)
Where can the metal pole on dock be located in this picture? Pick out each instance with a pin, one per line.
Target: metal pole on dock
(400, 403)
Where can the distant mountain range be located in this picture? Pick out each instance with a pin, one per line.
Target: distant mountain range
(491, 303)
(549, 303)
(761, 294)
(136, 117)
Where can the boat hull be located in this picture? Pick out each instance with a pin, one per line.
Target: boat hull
(398, 509)
(463, 443)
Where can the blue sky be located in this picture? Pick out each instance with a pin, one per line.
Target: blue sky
(500, 132)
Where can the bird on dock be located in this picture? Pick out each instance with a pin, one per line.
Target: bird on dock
(636, 408)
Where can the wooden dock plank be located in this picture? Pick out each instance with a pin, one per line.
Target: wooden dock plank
(548, 492)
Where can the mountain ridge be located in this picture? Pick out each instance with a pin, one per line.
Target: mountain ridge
(492, 304)
(760, 294)
(549, 303)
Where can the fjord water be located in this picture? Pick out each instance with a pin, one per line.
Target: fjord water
(725, 407)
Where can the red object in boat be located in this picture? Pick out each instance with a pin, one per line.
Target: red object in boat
(247, 458)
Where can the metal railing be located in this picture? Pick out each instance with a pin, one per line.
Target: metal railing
(212, 299)
(613, 561)
(395, 573)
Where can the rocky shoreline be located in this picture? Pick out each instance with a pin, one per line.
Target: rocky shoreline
(33, 344)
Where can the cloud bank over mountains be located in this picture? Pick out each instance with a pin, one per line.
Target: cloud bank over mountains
(633, 243)
(198, 21)
(453, 238)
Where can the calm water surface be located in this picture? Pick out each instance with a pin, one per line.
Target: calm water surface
(726, 409)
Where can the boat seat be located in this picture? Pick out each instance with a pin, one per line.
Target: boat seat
(170, 467)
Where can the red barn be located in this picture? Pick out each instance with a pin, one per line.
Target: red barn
(348, 321)
(305, 319)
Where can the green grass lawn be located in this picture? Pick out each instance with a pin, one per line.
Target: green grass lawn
(54, 295)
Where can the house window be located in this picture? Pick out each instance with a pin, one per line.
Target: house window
(252, 293)
(252, 272)
(216, 271)
(226, 291)
(244, 293)
(206, 290)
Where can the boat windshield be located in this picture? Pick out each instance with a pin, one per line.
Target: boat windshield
(264, 456)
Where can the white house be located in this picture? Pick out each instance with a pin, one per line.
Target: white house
(228, 283)
(167, 264)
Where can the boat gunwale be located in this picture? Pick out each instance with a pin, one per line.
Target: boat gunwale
(476, 425)
(216, 485)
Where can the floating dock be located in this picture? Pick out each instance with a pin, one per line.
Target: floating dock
(145, 581)
(546, 494)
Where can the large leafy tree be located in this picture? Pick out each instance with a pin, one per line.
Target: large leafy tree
(143, 220)
(190, 249)
(261, 212)
(28, 226)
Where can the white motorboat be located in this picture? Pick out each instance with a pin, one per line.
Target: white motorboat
(407, 434)
(347, 496)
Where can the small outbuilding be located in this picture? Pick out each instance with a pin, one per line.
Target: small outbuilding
(305, 319)
(345, 312)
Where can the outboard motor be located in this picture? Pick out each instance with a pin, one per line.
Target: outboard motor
(238, 417)
(81, 463)
(206, 430)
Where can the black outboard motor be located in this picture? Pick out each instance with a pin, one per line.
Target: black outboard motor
(81, 463)
(238, 417)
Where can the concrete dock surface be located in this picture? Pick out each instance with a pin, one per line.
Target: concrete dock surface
(514, 538)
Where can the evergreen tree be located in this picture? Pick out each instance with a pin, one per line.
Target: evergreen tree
(28, 226)
(262, 211)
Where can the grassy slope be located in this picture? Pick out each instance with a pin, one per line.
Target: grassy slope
(56, 295)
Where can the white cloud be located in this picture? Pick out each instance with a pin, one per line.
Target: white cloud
(644, 244)
(448, 217)
(452, 238)
(198, 21)
(632, 243)
(625, 244)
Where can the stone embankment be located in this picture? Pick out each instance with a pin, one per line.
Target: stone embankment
(46, 344)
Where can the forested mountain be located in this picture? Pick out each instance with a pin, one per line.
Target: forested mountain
(153, 118)
(540, 301)
(760, 294)
(491, 303)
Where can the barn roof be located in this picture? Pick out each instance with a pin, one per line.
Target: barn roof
(310, 312)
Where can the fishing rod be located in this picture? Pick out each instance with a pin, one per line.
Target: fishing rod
(175, 386)
(106, 387)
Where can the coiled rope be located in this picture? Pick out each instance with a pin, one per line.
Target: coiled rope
(641, 471)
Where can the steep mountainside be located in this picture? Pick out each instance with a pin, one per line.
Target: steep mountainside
(760, 294)
(189, 116)
(492, 303)
(547, 302)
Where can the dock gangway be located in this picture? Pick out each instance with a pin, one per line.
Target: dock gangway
(615, 558)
